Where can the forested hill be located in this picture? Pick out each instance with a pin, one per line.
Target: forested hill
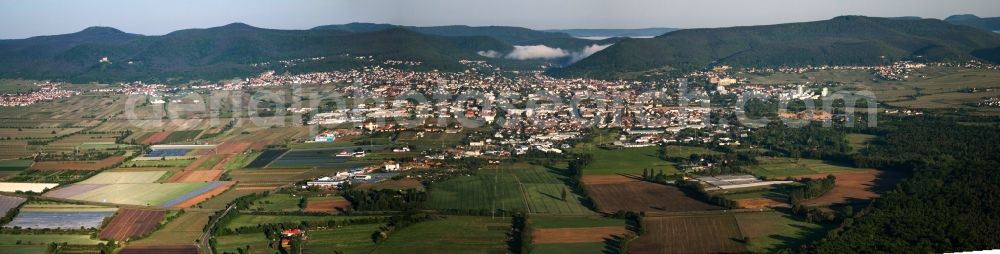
(508, 34)
(842, 40)
(989, 24)
(221, 52)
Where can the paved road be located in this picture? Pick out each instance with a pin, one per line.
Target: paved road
(206, 248)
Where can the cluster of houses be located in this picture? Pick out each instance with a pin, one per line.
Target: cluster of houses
(44, 92)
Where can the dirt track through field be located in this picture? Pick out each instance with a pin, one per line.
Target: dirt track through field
(576, 235)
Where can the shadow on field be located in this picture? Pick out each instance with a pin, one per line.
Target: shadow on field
(574, 187)
(611, 244)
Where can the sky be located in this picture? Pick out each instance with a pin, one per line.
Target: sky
(26, 18)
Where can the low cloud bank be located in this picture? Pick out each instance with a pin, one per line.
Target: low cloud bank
(529, 52)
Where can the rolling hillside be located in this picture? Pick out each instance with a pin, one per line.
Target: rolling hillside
(989, 24)
(842, 40)
(220, 52)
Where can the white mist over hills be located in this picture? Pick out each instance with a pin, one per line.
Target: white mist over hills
(529, 52)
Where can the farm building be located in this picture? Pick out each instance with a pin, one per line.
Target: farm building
(326, 182)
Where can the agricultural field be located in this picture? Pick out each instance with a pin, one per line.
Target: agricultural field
(690, 234)
(257, 242)
(323, 158)
(930, 87)
(401, 184)
(78, 165)
(577, 235)
(39, 215)
(12, 167)
(240, 161)
(614, 193)
(7, 240)
(166, 152)
(148, 194)
(685, 152)
(572, 248)
(252, 220)
(462, 234)
(15, 149)
(74, 141)
(15, 165)
(347, 239)
(7, 203)
(125, 177)
(574, 221)
(779, 168)
(51, 176)
(758, 198)
(630, 161)
(26, 187)
(859, 142)
(326, 204)
(769, 232)
(277, 202)
(275, 177)
(159, 248)
(484, 191)
(183, 230)
(765, 232)
(522, 187)
(36, 132)
(220, 201)
(180, 136)
(266, 157)
(158, 163)
(129, 223)
(856, 186)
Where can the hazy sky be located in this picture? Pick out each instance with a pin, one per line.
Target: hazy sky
(25, 18)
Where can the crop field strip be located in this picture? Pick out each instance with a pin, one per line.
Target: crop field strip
(319, 157)
(464, 234)
(543, 189)
(130, 223)
(7, 203)
(183, 230)
(266, 158)
(627, 194)
(146, 194)
(77, 165)
(124, 177)
(57, 215)
(701, 234)
(533, 188)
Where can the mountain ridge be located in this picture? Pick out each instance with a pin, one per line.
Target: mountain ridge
(841, 40)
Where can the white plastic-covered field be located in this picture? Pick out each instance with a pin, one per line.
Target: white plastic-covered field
(25, 187)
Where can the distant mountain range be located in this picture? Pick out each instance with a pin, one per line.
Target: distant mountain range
(609, 33)
(237, 50)
(842, 40)
(232, 50)
(991, 24)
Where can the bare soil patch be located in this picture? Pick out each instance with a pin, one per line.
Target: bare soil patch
(641, 196)
(856, 186)
(576, 235)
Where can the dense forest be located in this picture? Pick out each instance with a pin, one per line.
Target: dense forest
(948, 204)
